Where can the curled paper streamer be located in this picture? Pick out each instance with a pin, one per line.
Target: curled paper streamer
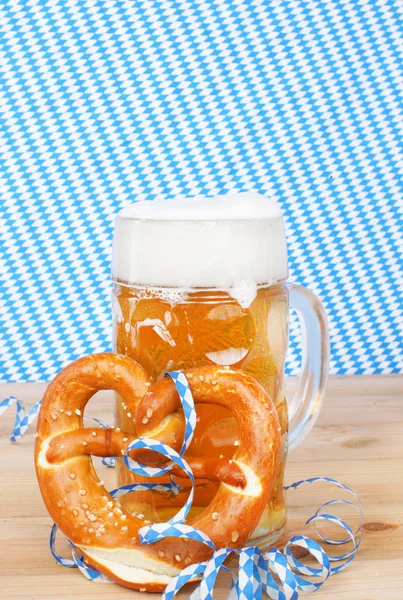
(277, 573)
(256, 569)
(23, 419)
(76, 561)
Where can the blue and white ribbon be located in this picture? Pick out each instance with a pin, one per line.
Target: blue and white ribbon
(23, 419)
(277, 573)
(175, 526)
(172, 488)
(256, 569)
(77, 561)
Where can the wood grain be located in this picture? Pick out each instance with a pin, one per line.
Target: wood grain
(358, 439)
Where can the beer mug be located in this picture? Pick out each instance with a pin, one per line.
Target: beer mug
(203, 282)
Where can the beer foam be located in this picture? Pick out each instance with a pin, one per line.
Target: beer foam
(234, 242)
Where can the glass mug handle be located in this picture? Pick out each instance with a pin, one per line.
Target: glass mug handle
(304, 407)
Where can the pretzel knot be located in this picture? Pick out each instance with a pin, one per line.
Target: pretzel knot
(95, 522)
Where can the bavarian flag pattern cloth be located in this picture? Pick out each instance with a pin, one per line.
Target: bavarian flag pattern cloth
(104, 102)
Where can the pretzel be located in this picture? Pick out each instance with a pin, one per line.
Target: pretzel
(106, 534)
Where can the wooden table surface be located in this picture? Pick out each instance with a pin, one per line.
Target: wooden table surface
(358, 439)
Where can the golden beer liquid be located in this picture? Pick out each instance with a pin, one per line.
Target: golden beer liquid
(165, 330)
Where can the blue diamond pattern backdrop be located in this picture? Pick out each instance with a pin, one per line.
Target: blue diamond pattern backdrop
(104, 102)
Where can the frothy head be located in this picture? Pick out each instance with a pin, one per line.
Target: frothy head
(235, 241)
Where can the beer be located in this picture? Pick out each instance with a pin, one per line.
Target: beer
(199, 283)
